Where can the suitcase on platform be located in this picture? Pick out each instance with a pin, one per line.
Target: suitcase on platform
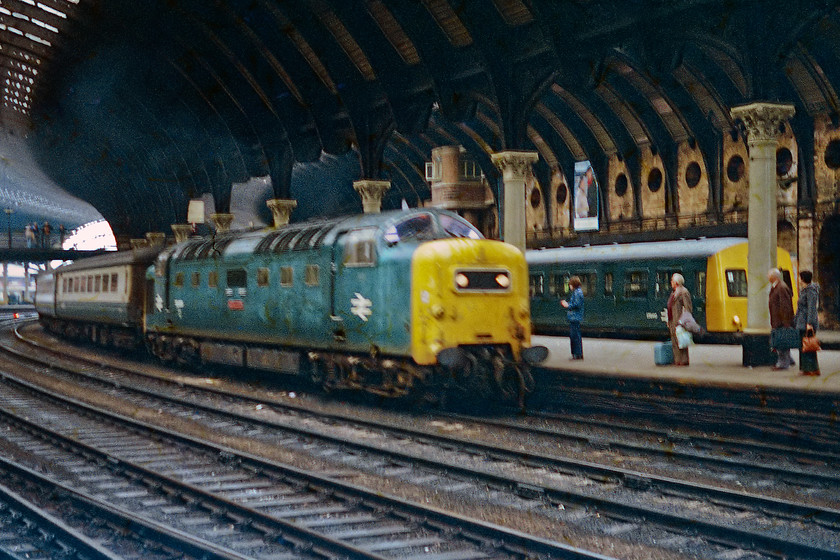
(663, 354)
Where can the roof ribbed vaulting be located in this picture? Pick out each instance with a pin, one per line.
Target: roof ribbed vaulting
(137, 107)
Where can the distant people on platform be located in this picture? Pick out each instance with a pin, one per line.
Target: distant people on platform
(679, 301)
(47, 230)
(29, 234)
(807, 322)
(37, 232)
(62, 233)
(781, 316)
(586, 196)
(574, 312)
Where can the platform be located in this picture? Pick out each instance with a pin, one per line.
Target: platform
(713, 364)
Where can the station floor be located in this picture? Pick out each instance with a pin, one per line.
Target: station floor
(713, 364)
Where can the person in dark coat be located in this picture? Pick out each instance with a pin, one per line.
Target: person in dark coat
(574, 312)
(781, 313)
(679, 301)
(806, 318)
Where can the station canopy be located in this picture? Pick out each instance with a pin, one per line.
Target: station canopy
(133, 108)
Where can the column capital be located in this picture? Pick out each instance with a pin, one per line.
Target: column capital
(514, 163)
(371, 192)
(221, 221)
(156, 238)
(281, 210)
(762, 120)
(181, 231)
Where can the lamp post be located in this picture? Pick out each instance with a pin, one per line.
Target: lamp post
(9, 212)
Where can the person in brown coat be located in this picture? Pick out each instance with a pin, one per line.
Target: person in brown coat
(781, 313)
(679, 300)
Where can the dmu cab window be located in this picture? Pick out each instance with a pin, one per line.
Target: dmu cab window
(360, 247)
(636, 284)
(736, 283)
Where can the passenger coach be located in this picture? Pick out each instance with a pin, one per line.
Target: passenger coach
(627, 286)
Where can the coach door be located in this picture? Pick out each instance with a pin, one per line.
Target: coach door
(353, 284)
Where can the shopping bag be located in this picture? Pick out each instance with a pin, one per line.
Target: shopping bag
(810, 343)
(688, 322)
(684, 339)
(663, 353)
(784, 338)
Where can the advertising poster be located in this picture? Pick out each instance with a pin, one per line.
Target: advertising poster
(585, 201)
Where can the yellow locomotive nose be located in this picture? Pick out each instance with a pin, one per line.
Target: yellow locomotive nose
(468, 292)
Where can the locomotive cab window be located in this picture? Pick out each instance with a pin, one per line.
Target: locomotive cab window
(311, 275)
(360, 247)
(636, 284)
(262, 277)
(237, 278)
(421, 226)
(736, 283)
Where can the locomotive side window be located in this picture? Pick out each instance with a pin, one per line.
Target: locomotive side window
(311, 275)
(179, 280)
(212, 279)
(636, 284)
(286, 276)
(736, 283)
(360, 247)
(262, 277)
(535, 285)
(237, 278)
(195, 280)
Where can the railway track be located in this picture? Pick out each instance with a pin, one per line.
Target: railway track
(249, 506)
(619, 512)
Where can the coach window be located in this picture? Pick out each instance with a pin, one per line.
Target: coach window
(286, 276)
(636, 284)
(64, 285)
(114, 278)
(700, 282)
(535, 285)
(360, 247)
(662, 288)
(311, 275)
(558, 284)
(179, 280)
(736, 283)
(212, 279)
(106, 284)
(195, 281)
(608, 285)
(262, 277)
(587, 282)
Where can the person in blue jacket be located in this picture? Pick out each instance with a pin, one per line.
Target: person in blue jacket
(574, 312)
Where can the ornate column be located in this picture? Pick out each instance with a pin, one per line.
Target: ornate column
(221, 221)
(761, 121)
(182, 232)
(156, 238)
(371, 192)
(281, 210)
(514, 167)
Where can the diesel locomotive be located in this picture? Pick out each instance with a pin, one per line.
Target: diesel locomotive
(626, 287)
(387, 303)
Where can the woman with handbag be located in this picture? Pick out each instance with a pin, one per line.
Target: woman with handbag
(679, 301)
(807, 322)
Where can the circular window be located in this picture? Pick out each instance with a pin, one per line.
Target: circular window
(654, 180)
(535, 198)
(735, 169)
(784, 161)
(621, 184)
(562, 193)
(832, 154)
(693, 174)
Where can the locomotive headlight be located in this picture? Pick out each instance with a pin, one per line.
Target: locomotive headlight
(503, 280)
(462, 280)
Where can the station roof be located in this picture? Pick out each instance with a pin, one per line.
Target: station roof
(137, 107)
